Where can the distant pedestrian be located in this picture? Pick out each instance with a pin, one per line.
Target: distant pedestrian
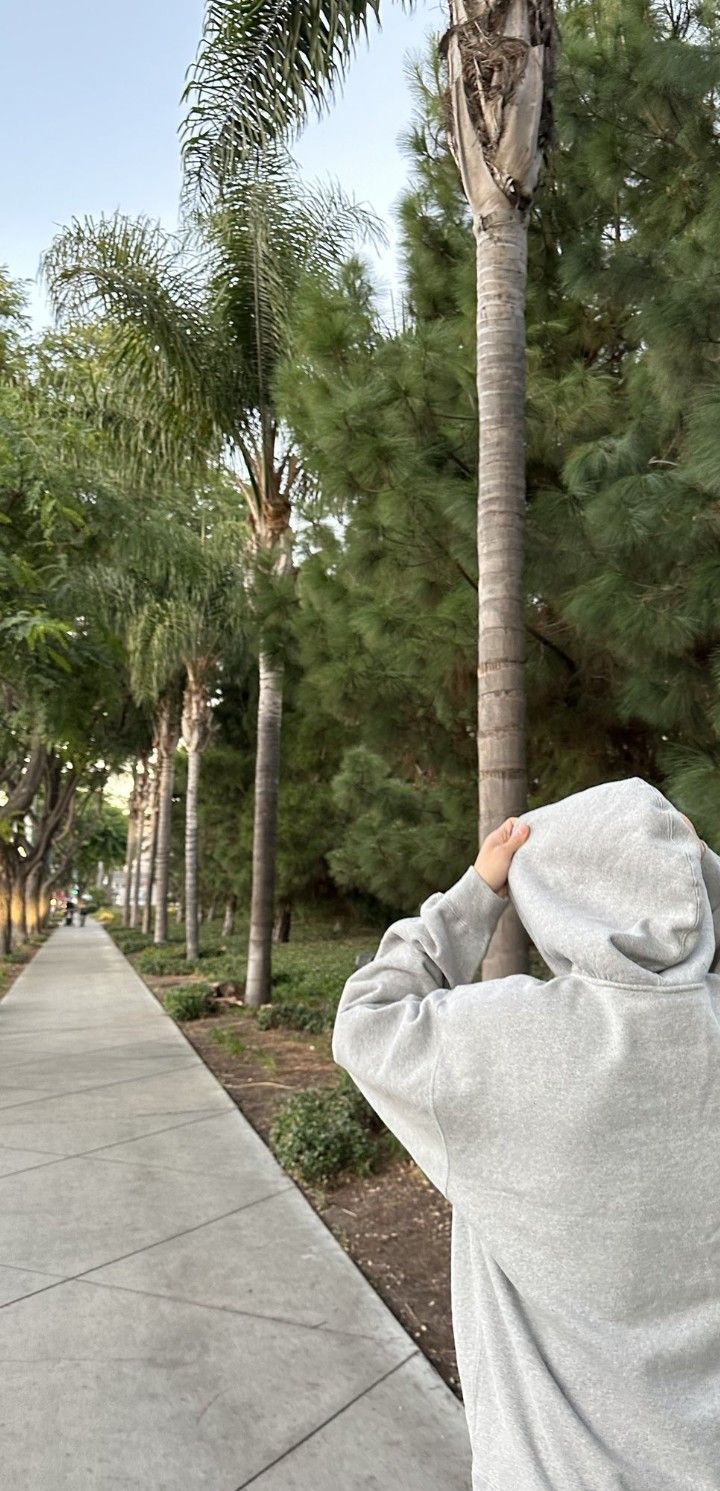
(69, 913)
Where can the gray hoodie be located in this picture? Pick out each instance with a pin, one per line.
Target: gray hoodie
(574, 1125)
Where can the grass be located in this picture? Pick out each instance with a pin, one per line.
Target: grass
(309, 972)
(230, 1042)
(12, 961)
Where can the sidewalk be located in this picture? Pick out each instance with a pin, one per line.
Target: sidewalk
(175, 1315)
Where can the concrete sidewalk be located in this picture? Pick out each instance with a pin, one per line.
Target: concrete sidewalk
(175, 1315)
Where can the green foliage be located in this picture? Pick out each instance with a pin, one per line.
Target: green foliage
(188, 1003)
(311, 974)
(129, 939)
(230, 1042)
(305, 995)
(297, 1014)
(324, 1130)
(169, 957)
(163, 960)
(102, 836)
(257, 70)
(636, 539)
(19, 955)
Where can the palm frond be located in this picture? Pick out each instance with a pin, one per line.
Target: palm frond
(261, 66)
(144, 284)
(267, 230)
(131, 271)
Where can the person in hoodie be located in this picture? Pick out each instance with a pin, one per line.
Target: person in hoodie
(574, 1126)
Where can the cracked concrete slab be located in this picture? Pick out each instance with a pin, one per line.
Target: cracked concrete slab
(399, 1427)
(204, 1268)
(174, 1316)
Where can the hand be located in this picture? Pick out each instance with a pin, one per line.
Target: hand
(493, 861)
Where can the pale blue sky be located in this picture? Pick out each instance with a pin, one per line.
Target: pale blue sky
(89, 108)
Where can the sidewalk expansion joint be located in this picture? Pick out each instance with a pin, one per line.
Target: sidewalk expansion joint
(79, 1092)
(319, 1326)
(81, 1154)
(80, 1278)
(312, 1432)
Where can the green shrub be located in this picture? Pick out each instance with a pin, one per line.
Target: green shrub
(130, 939)
(297, 1015)
(188, 1004)
(168, 958)
(313, 983)
(324, 1130)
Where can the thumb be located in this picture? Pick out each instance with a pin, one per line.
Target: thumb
(519, 833)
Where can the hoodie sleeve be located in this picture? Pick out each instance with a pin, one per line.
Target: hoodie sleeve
(388, 1030)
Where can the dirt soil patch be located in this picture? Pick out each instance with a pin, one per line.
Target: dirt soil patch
(394, 1224)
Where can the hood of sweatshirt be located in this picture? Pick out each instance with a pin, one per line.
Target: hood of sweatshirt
(610, 886)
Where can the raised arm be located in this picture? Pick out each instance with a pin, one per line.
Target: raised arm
(388, 1030)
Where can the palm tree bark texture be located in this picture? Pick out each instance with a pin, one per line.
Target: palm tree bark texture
(168, 734)
(142, 799)
(197, 721)
(130, 851)
(500, 60)
(267, 777)
(269, 503)
(152, 847)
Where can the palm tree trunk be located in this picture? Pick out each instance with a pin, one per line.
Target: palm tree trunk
(267, 779)
(168, 732)
(139, 842)
(197, 724)
(129, 855)
(501, 281)
(501, 57)
(228, 926)
(152, 850)
(192, 949)
(283, 922)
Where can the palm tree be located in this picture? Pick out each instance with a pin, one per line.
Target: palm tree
(197, 724)
(141, 805)
(194, 624)
(167, 734)
(131, 849)
(262, 65)
(154, 807)
(202, 322)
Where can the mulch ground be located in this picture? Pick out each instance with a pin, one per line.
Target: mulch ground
(394, 1223)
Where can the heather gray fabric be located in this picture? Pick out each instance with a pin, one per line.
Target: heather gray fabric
(574, 1125)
